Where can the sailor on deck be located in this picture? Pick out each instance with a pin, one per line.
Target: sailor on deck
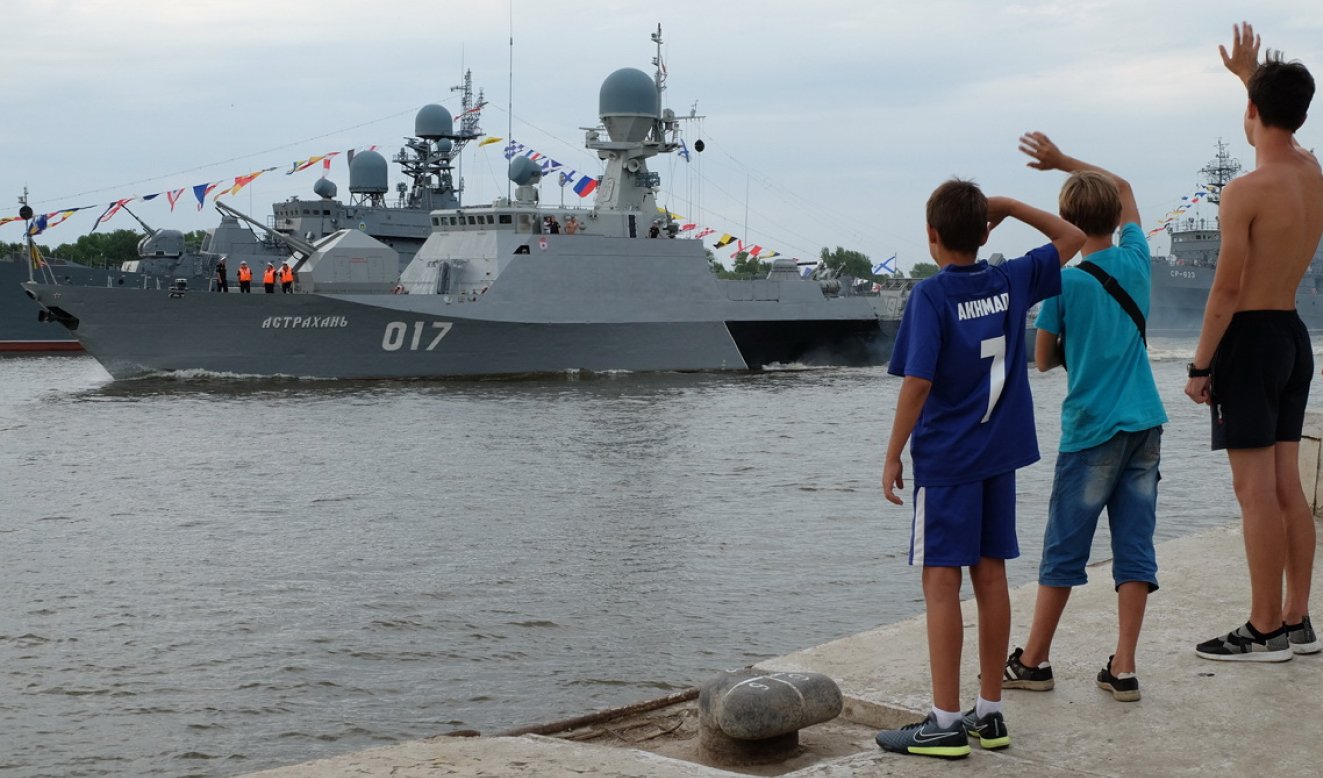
(245, 278)
(269, 278)
(286, 279)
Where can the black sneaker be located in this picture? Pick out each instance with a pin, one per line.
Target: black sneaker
(990, 730)
(1018, 676)
(1123, 686)
(1302, 638)
(926, 739)
(1247, 644)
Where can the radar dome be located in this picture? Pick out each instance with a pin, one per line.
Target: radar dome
(444, 146)
(525, 171)
(433, 121)
(324, 188)
(367, 173)
(629, 104)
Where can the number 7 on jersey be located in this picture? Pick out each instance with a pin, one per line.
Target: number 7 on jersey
(994, 348)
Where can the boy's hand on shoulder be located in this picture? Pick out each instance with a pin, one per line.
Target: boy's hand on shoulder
(1045, 153)
(893, 477)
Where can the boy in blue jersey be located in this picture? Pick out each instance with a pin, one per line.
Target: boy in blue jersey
(965, 398)
(1111, 423)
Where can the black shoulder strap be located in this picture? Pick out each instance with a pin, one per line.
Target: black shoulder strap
(1114, 289)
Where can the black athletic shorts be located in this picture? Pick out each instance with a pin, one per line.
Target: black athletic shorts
(1261, 375)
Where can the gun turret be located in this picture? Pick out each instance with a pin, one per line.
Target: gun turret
(145, 226)
(299, 245)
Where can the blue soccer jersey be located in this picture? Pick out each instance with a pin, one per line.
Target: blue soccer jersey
(963, 329)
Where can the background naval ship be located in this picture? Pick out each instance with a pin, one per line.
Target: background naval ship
(489, 293)
(427, 161)
(1180, 282)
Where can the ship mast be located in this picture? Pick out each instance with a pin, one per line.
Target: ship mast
(468, 121)
(1219, 172)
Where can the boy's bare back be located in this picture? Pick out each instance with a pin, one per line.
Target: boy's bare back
(1273, 218)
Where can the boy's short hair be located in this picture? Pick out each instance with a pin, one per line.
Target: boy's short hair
(1090, 200)
(958, 211)
(1282, 92)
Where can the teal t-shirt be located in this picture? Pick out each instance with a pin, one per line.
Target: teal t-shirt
(1109, 384)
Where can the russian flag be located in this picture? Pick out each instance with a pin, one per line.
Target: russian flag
(585, 186)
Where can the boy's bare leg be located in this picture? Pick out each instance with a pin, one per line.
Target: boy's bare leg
(1254, 475)
(946, 633)
(1131, 599)
(1300, 532)
(1048, 607)
(994, 623)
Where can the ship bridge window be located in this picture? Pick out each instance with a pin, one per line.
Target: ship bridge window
(525, 222)
(505, 218)
(326, 212)
(436, 221)
(489, 219)
(473, 220)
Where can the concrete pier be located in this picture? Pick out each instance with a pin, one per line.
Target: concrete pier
(1196, 718)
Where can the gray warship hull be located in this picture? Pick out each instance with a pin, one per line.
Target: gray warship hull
(497, 290)
(1180, 293)
(550, 312)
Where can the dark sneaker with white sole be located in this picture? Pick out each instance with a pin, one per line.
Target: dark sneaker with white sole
(1123, 686)
(1302, 638)
(1247, 644)
(990, 730)
(926, 739)
(1018, 675)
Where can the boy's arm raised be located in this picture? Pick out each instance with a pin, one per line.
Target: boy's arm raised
(1066, 237)
(913, 394)
(1047, 156)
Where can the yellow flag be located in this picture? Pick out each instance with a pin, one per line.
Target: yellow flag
(486, 141)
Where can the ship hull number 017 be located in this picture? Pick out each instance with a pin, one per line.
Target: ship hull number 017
(414, 336)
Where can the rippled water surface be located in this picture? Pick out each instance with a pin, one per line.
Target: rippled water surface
(211, 577)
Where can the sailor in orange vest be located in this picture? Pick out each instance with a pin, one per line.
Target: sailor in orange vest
(269, 278)
(286, 279)
(245, 278)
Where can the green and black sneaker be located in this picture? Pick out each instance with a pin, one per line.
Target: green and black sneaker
(926, 739)
(990, 730)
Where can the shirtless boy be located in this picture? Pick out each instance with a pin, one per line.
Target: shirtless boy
(1254, 362)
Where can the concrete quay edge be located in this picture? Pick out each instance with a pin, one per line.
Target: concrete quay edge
(1196, 718)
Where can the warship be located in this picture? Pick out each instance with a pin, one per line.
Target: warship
(426, 160)
(496, 291)
(1181, 280)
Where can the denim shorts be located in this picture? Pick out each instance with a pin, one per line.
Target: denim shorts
(956, 526)
(1122, 476)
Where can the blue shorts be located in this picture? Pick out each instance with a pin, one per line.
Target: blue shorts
(956, 526)
(1122, 476)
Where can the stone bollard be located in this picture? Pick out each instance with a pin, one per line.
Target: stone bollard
(751, 717)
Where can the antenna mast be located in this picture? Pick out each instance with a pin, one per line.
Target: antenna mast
(1219, 172)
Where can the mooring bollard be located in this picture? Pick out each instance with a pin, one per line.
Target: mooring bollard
(750, 717)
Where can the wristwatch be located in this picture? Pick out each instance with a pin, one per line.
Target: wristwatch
(1198, 372)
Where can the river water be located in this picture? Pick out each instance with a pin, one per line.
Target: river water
(209, 577)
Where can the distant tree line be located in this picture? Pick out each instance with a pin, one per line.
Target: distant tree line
(847, 261)
(100, 249)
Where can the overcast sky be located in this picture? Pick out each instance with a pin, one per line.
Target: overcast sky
(837, 118)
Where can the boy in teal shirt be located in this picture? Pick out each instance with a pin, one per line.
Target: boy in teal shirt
(1111, 423)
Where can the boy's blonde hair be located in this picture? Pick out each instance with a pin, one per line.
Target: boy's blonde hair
(1090, 201)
